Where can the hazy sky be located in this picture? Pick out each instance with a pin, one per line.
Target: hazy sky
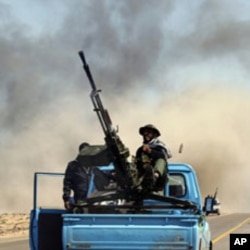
(181, 65)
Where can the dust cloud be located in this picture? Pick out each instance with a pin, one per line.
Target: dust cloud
(213, 126)
(184, 73)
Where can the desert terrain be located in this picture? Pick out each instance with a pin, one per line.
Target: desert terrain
(13, 225)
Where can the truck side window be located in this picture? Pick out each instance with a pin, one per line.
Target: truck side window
(177, 185)
(100, 179)
(104, 180)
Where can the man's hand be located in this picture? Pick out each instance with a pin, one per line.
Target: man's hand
(146, 148)
(67, 205)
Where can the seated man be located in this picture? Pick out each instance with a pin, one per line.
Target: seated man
(151, 159)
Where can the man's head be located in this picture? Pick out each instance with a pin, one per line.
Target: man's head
(149, 132)
(83, 145)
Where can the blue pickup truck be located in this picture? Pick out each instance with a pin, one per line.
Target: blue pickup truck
(175, 222)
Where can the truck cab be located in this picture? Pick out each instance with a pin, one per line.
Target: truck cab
(172, 220)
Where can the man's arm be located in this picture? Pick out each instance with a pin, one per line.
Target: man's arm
(157, 152)
(67, 182)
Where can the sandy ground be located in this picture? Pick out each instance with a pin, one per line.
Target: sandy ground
(13, 225)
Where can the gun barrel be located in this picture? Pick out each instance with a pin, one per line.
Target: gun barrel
(81, 54)
(86, 68)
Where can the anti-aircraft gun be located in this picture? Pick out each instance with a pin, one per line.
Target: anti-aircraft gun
(114, 150)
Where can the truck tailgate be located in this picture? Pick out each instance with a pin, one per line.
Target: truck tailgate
(133, 231)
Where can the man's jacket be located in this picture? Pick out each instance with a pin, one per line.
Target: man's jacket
(76, 179)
